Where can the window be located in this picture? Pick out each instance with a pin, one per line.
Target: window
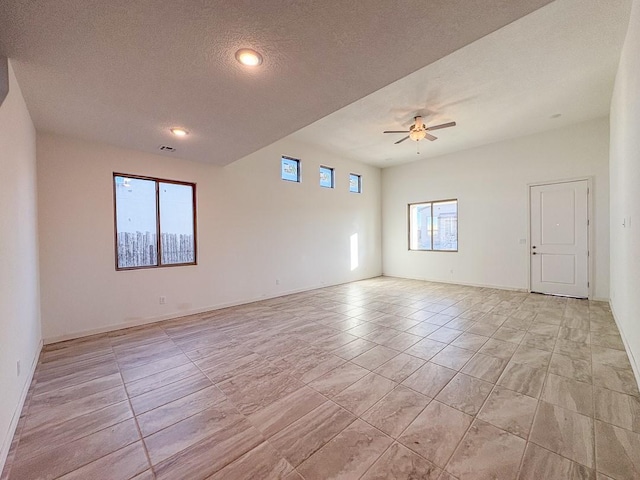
(290, 169)
(434, 226)
(326, 177)
(355, 183)
(155, 222)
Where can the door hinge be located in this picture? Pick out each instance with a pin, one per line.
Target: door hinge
(588, 222)
(588, 284)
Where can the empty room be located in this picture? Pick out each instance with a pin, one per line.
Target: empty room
(320, 240)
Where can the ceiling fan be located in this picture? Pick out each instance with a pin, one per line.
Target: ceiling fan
(419, 130)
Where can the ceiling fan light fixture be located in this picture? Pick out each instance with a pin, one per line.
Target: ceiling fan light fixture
(248, 57)
(417, 135)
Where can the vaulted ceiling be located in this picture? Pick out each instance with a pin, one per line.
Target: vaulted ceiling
(124, 72)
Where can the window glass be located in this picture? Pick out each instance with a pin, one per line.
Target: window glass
(434, 226)
(326, 177)
(176, 223)
(290, 169)
(136, 226)
(155, 222)
(355, 183)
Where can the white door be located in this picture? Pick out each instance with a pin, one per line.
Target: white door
(559, 239)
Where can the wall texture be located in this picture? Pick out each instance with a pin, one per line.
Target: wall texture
(20, 336)
(253, 230)
(625, 191)
(491, 185)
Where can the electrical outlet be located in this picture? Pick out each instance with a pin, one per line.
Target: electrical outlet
(18, 367)
(163, 300)
(277, 281)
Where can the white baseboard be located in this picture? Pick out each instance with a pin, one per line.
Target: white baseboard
(634, 363)
(6, 443)
(186, 313)
(465, 284)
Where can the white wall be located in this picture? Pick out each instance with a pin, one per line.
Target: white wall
(625, 191)
(253, 228)
(490, 183)
(19, 291)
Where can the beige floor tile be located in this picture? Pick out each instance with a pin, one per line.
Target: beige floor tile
(568, 393)
(353, 349)
(336, 380)
(171, 440)
(400, 367)
(573, 368)
(617, 408)
(523, 379)
(204, 458)
(425, 348)
(301, 439)
(424, 328)
(124, 463)
(532, 357)
(445, 335)
(71, 456)
(487, 453)
(498, 348)
(485, 367)
(394, 412)
(510, 411)
(261, 462)
(617, 452)
(574, 350)
(435, 433)
(465, 393)
(174, 391)
(360, 396)
(470, 341)
(132, 374)
(348, 455)
(562, 431)
(540, 463)
(161, 379)
(612, 370)
(402, 341)
(283, 412)
(52, 435)
(429, 379)
(400, 463)
(375, 357)
(452, 357)
(510, 335)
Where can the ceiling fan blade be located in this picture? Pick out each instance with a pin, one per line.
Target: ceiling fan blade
(443, 125)
(430, 137)
(396, 131)
(401, 140)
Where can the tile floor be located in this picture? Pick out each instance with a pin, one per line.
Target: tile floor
(378, 379)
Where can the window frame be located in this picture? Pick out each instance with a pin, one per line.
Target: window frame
(333, 176)
(359, 182)
(299, 169)
(431, 203)
(157, 181)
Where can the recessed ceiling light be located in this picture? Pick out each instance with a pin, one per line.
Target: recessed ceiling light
(179, 132)
(248, 57)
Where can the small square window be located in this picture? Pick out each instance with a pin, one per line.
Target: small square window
(355, 183)
(290, 169)
(326, 177)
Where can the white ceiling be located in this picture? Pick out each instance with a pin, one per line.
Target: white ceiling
(561, 58)
(123, 72)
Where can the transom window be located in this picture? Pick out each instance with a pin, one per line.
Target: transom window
(155, 222)
(290, 169)
(326, 177)
(355, 183)
(434, 226)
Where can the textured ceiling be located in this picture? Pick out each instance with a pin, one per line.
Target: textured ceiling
(123, 72)
(560, 59)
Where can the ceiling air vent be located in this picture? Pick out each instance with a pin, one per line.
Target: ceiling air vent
(167, 148)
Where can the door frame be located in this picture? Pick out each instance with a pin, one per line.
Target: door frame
(590, 233)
